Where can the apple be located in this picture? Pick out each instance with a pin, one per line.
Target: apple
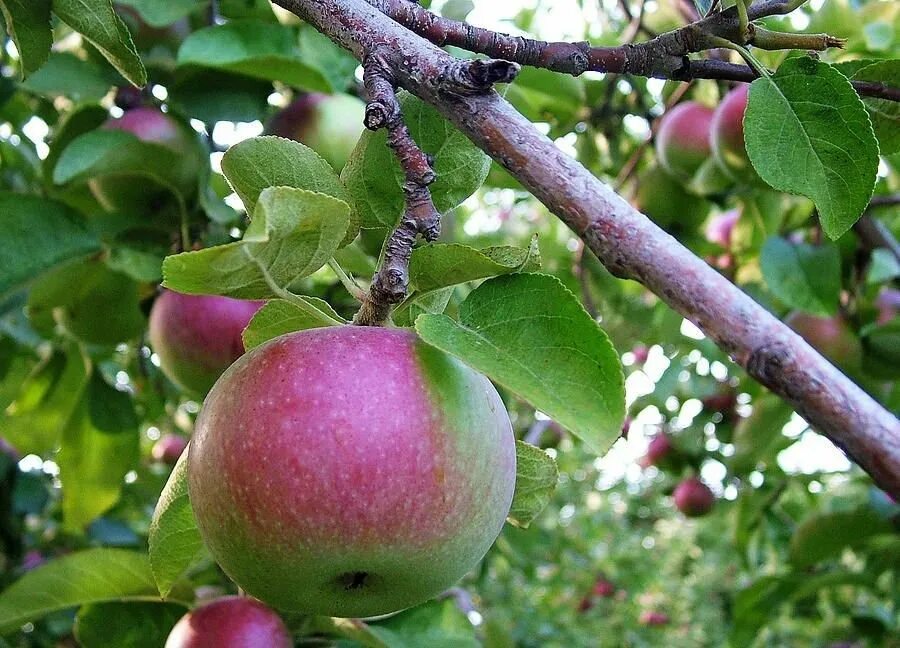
(585, 604)
(640, 353)
(650, 618)
(720, 228)
(197, 337)
(328, 124)
(660, 450)
(169, 448)
(230, 622)
(831, 336)
(350, 471)
(693, 497)
(133, 194)
(723, 401)
(664, 200)
(727, 133)
(604, 588)
(682, 139)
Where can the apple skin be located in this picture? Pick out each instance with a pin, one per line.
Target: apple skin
(720, 228)
(652, 619)
(197, 337)
(604, 588)
(682, 141)
(660, 450)
(169, 448)
(328, 124)
(133, 194)
(693, 497)
(727, 133)
(382, 471)
(831, 336)
(664, 200)
(230, 622)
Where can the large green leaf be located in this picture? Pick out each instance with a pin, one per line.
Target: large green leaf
(294, 232)
(531, 335)
(825, 535)
(98, 22)
(99, 446)
(38, 234)
(160, 13)
(885, 113)
(64, 74)
(90, 576)
(35, 419)
(175, 542)
(536, 477)
(375, 180)
(126, 625)
(261, 162)
(439, 265)
(807, 132)
(258, 49)
(28, 22)
(803, 276)
(280, 316)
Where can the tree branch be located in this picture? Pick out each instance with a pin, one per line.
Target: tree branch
(664, 56)
(627, 242)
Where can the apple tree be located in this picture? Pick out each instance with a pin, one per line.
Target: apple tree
(391, 323)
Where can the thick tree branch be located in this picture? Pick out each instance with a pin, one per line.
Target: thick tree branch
(627, 242)
(664, 56)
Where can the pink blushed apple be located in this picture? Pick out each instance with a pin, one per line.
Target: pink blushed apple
(230, 622)
(693, 497)
(382, 470)
(682, 141)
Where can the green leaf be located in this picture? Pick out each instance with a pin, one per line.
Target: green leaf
(175, 542)
(439, 265)
(280, 316)
(114, 152)
(757, 433)
(34, 421)
(66, 75)
(807, 277)
(38, 234)
(90, 576)
(28, 22)
(261, 50)
(883, 267)
(375, 180)
(98, 22)
(536, 477)
(294, 232)
(99, 446)
(885, 114)
(807, 132)
(882, 349)
(530, 334)
(826, 535)
(334, 63)
(261, 162)
(544, 95)
(126, 625)
(161, 13)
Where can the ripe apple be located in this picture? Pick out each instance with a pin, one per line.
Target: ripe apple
(650, 618)
(660, 450)
(133, 194)
(169, 448)
(720, 228)
(382, 471)
(723, 401)
(197, 337)
(727, 133)
(693, 497)
(682, 140)
(230, 622)
(663, 199)
(328, 124)
(831, 336)
(604, 588)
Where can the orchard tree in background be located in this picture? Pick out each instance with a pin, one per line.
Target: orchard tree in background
(352, 323)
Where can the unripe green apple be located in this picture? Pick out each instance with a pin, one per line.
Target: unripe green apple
(693, 497)
(134, 194)
(350, 471)
(664, 200)
(197, 337)
(727, 134)
(682, 141)
(230, 622)
(831, 336)
(328, 124)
